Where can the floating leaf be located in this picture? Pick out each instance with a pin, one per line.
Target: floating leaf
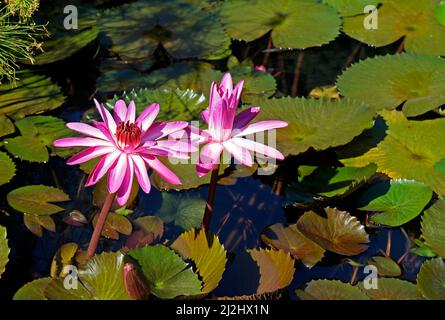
(413, 80)
(151, 224)
(114, 224)
(325, 92)
(439, 13)
(64, 44)
(32, 94)
(339, 232)
(36, 199)
(55, 290)
(407, 145)
(326, 181)
(4, 250)
(34, 290)
(64, 256)
(184, 30)
(184, 210)
(317, 124)
(290, 239)
(207, 253)
(38, 134)
(185, 105)
(276, 269)
(330, 290)
(7, 168)
(351, 7)
(167, 273)
(433, 228)
(431, 279)
(392, 289)
(35, 223)
(386, 267)
(6, 126)
(291, 22)
(422, 249)
(402, 202)
(410, 19)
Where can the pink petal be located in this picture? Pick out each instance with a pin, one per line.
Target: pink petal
(242, 155)
(131, 113)
(120, 111)
(244, 117)
(164, 153)
(261, 126)
(102, 167)
(80, 142)
(226, 83)
(210, 155)
(106, 116)
(205, 114)
(88, 154)
(216, 120)
(175, 145)
(104, 130)
(86, 129)
(146, 118)
(162, 129)
(238, 90)
(117, 173)
(125, 189)
(141, 173)
(258, 148)
(164, 172)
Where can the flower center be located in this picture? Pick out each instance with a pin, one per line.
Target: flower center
(128, 134)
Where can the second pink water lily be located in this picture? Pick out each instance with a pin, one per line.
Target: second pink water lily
(127, 145)
(227, 129)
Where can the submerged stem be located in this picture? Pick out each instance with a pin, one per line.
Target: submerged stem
(210, 199)
(100, 225)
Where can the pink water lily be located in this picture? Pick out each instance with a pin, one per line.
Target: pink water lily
(227, 129)
(127, 145)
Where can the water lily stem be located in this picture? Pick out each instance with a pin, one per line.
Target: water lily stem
(100, 224)
(210, 199)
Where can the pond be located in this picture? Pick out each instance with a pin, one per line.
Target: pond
(353, 211)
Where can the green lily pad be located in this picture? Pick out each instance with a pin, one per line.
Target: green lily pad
(324, 289)
(4, 250)
(167, 273)
(184, 210)
(439, 13)
(184, 105)
(64, 44)
(317, 124)
(411, 19)
(415, 80)
(34, 290)
(36, 199)
(431, 279)
(339, 232)
(407, 145)
(402, 202)
(433, 229)
(289, 239)
(421, 249)
(151, 224)
(386, 267)
(38, 134)
(276, 269)
(207, 253)
(351, 7)
(392, 289)
(36, 224)
(6, 126)
(326, 182)
(30, 95)
(55, 290)
(121, 80)
(291, 22)
(7, 168)
(184, 30)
